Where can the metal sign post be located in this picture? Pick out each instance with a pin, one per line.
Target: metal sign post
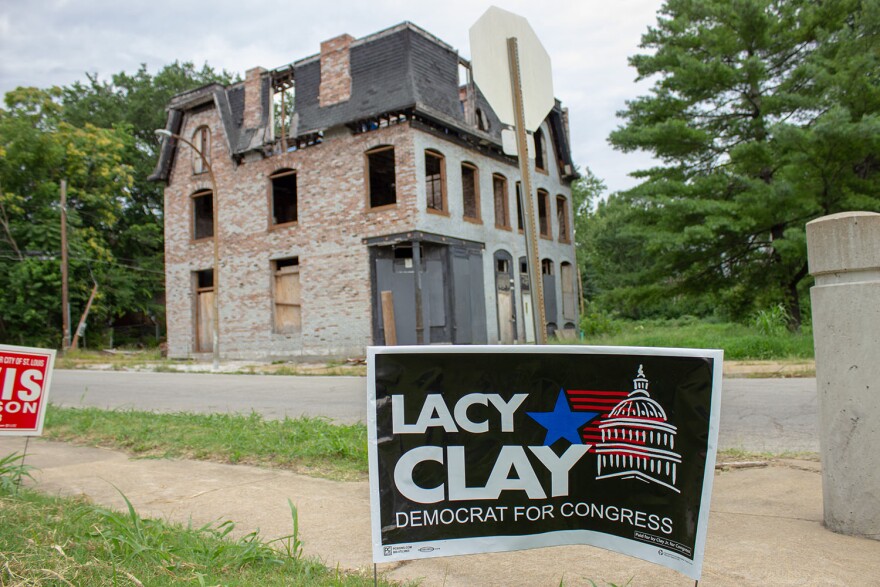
(513, 72)
(536, 285)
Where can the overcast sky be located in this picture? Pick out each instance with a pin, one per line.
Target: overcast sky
(54, 42)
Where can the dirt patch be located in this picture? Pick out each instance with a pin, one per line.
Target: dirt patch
(757, 369)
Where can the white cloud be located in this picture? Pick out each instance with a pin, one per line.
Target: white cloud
(54, 42)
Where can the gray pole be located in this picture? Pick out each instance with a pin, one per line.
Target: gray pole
(844, 256)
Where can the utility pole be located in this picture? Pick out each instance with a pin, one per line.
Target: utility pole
(65, 302)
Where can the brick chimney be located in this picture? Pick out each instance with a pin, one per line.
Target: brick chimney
(253, 97)
(335, 71)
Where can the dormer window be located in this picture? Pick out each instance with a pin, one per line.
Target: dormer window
(540, 152)
(482, 120)
(202, 140)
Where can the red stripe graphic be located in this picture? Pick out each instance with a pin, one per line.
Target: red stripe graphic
(595, 401)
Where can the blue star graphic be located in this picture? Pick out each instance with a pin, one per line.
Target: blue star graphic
(562, 422)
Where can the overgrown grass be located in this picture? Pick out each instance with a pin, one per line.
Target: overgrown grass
(307, 445)
(61, 541)
(740, 342)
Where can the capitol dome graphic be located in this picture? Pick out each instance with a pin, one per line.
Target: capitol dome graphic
(638, 441)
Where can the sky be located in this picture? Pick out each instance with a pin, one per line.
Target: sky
(55, 42)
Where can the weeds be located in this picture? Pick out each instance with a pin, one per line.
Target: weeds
(57, 541)
(771, 321)
(12, 471)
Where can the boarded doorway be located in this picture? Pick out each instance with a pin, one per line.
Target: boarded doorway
(204, 282)
(437, 288)
(525, 289)
(288, 301)
(548, 275)
(566, 275)
(504, 294)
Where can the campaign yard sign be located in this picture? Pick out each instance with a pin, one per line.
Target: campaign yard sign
(25, 375)
(487, 449)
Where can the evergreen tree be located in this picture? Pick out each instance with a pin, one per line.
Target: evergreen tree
(763, 115)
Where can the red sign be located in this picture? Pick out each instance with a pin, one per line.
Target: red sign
(25, 374)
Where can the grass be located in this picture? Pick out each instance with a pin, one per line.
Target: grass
(311, 446)
(740, 342)
(61, 541)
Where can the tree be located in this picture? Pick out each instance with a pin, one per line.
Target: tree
(39, 150)
(763, 115)
(586, 194)
(137, 103)
(99, 136)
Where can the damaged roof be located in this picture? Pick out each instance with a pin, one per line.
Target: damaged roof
(400, 69)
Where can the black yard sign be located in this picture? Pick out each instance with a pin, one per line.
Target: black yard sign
(486, 449)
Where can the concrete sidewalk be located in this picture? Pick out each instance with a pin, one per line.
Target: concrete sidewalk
(764, 529)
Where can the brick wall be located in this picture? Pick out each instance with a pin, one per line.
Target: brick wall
(512, 241)
(327, 238)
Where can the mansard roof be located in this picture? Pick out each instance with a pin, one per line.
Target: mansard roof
(402, 69)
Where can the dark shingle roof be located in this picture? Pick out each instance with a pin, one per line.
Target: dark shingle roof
(400, 68)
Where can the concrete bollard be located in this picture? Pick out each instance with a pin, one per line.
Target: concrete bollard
(844, 256)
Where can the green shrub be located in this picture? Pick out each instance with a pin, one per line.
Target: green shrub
(595, 322)
(771, 321)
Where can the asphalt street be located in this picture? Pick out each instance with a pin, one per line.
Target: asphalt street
(758, 415)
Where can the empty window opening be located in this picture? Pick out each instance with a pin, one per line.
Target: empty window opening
(546, 267)
(283, 186)
(543, 215)
(205, 279)
(519, 207)
(287, 294)
(502, 212)
(464, 74)
(202, 140)
(482, 120)
(381, 177)
(562, 219)
(470, 193)
(203, 214)
(403, 252)
(503, 266)
(540, 151)
(435, 187)
(282, 110)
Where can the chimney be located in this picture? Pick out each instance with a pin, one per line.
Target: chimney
(253, 97)
(335, 71)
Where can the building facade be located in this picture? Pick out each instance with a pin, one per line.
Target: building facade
(375, 166)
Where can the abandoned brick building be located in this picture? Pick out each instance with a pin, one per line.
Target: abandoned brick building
(373, 166)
